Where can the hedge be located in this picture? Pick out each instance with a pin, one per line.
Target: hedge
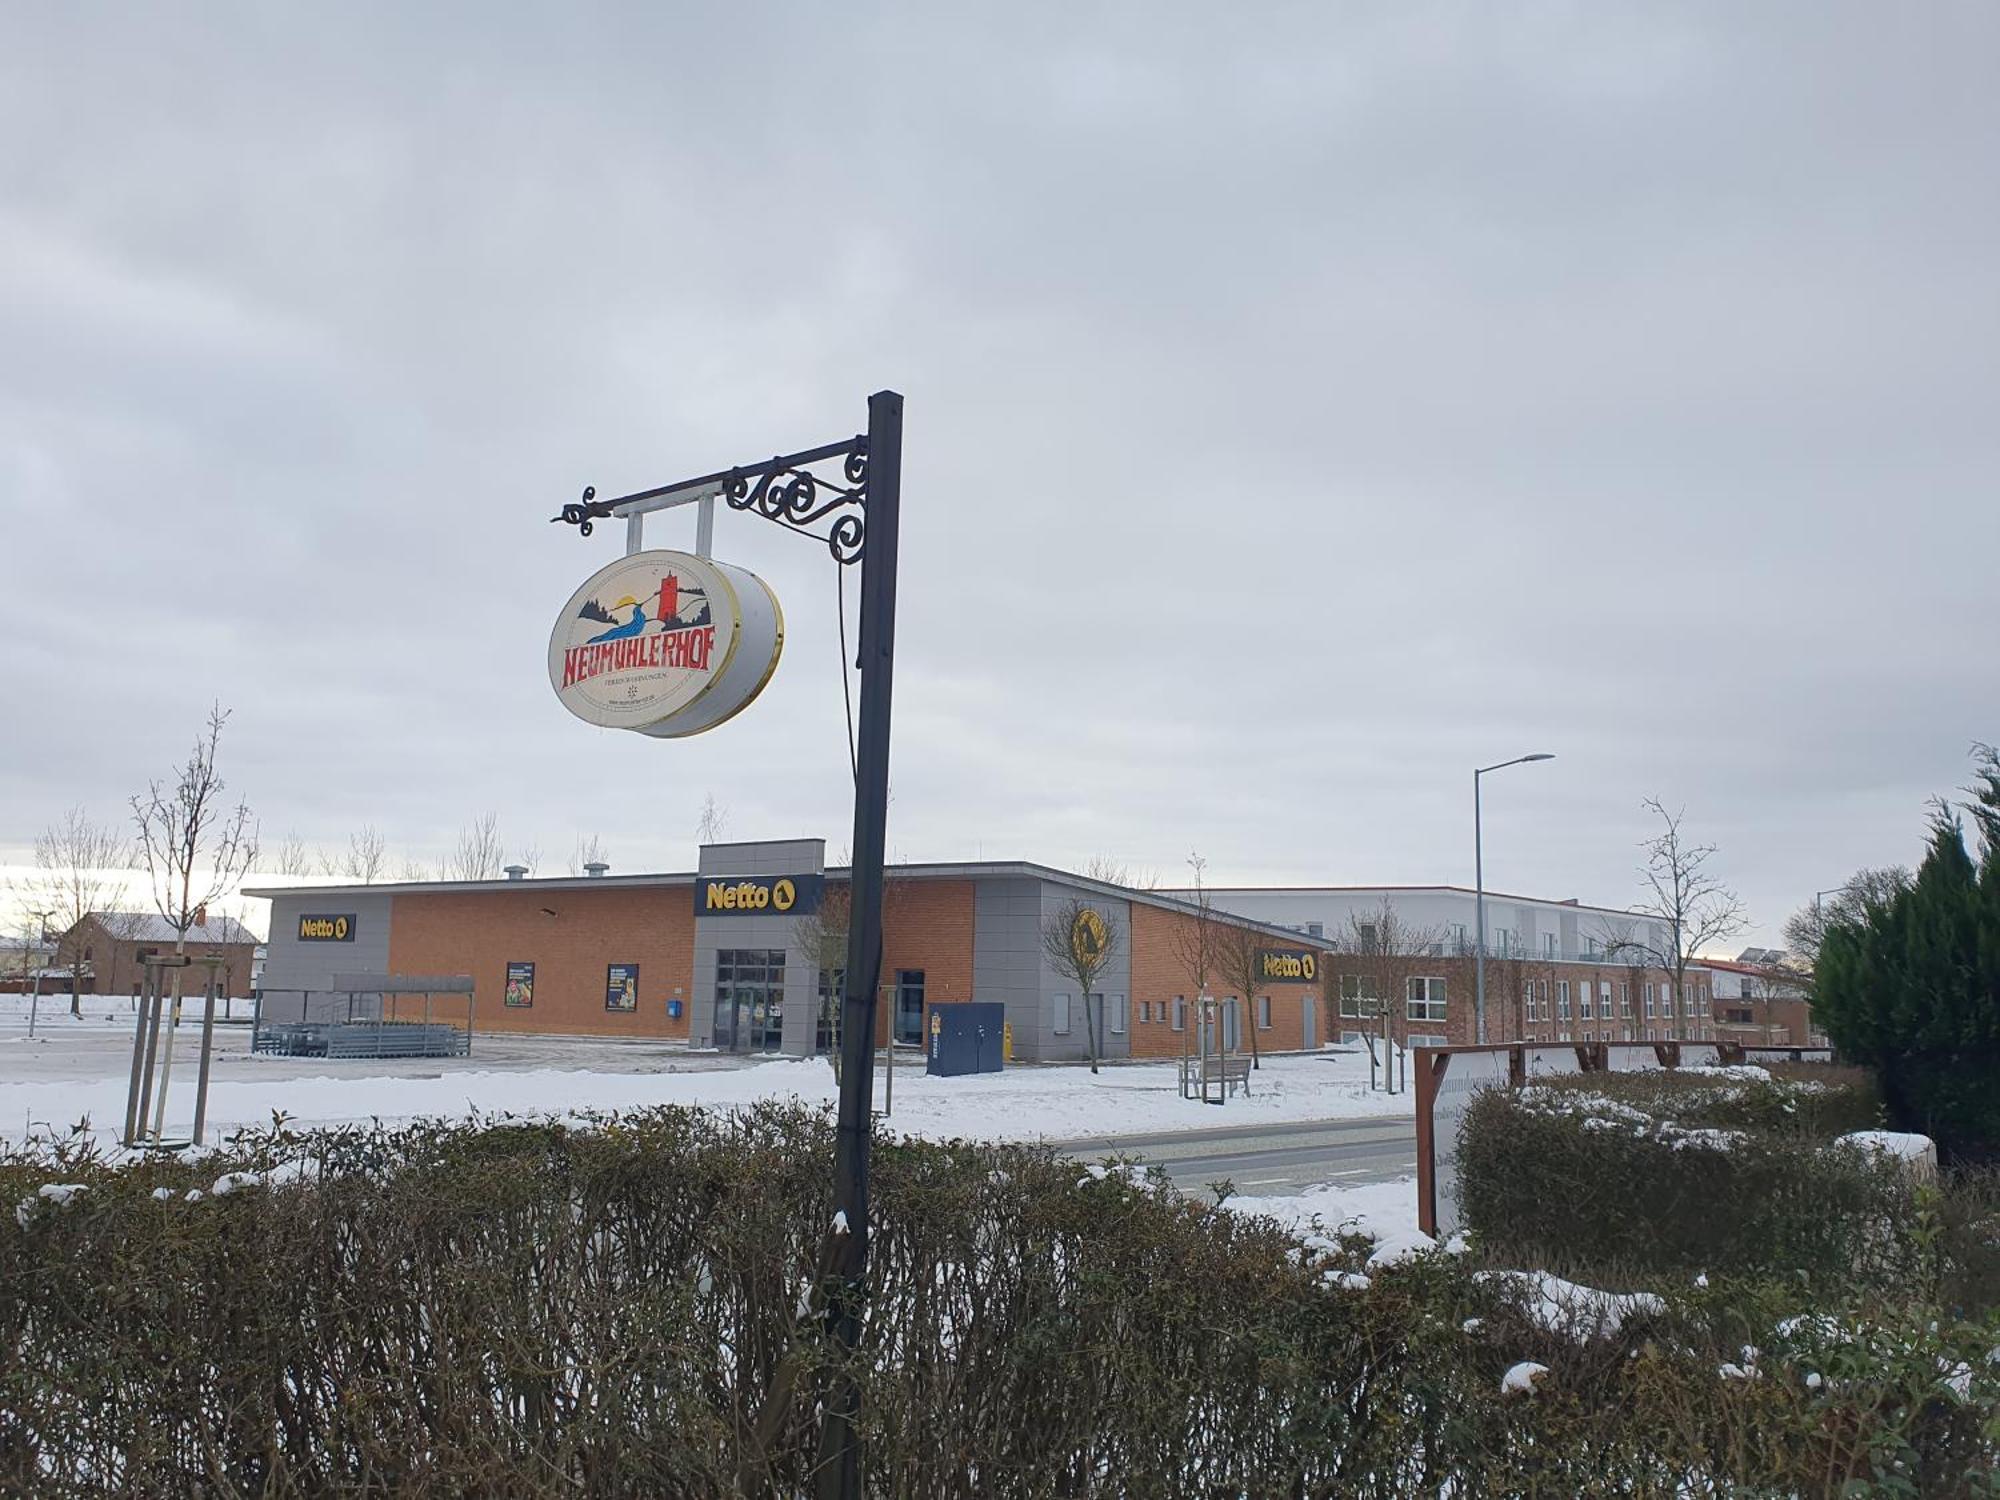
(628, 1307)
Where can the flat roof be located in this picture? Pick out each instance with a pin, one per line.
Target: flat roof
(991, 869)
(1457, 890)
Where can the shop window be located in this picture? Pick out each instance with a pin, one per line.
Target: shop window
(1059, 1012)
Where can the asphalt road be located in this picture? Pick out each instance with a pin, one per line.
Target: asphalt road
(1269, 1160)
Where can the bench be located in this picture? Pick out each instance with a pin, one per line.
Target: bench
(1214, 1079)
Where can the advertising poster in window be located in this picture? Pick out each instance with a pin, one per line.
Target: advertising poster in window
(621, 987)
(520, 985)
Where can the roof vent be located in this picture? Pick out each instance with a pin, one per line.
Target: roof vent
(596, 869)
(517, 872)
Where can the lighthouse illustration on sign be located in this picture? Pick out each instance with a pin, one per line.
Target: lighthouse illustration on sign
(666, 643)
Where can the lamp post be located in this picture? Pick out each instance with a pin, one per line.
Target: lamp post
(1479, 891)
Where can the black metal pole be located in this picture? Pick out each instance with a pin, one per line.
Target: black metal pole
(839, 1467)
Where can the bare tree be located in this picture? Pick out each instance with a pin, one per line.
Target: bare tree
(530, 857)
(78, 865)
(1239, 955)
(293, 857)
(477, 855)
(714, 819)
(589, 851)
(1080, 942)
(1806, 927)
(1116, 872)
(196, 849)
(414, 870)
(822, 936)
(367, 856)
(1691, 907)
(1197, 941)
(1384, 951)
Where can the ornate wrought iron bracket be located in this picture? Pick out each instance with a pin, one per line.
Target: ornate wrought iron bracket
(783, 489)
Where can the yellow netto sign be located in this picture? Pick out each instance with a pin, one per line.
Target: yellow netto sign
(753, 895)
(327, 929)
(1087, 936)
(1288, 965)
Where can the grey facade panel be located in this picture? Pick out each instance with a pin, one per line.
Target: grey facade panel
(1007, 956)
(292, 964)
(766, 931)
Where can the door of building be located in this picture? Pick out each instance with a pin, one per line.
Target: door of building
(750, 999)
(1309, 1024)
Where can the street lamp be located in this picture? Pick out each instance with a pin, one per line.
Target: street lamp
(1479, 891)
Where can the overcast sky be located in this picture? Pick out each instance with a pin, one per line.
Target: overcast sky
(1305, 404)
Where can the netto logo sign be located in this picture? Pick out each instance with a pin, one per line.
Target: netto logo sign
(1088, 936)
(753, 895)
(327, 929)
(1288, 965)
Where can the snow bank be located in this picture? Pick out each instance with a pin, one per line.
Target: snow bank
(1917, 1152)
(1565, 1307)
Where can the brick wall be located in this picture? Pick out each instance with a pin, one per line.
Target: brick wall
(1159, 974)
(481, 932)
(927, 925)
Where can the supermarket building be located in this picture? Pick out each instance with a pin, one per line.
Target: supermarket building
(727, 956)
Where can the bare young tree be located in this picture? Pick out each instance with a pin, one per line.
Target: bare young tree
(1691, 906)
(589, 851)
(1239, 958)
(414, 870)
(1197, 941)
(78, 870)
(1384, 951)
(530, 857)
(1805, 928)
(1080, 942)
(822, 936)
(367, 856)
(714, 818)
(293, 857)
(478, 854)
(196, 849)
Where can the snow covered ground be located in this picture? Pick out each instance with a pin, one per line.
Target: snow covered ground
(80, 1072)
(1386, 1210)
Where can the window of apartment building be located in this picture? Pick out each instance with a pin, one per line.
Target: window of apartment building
(1625, 999)
(1145, 1011)
(1527, 1000)
(1059, 1012)
(1562, 999)
(1548, 945)
(1542, 995)
(1458, 942)
(1584, 1010)
(1648, 989)
(1430, 1039)
(1358, 999)
(1604, 998)
(1180, 1012)
(1425, 999)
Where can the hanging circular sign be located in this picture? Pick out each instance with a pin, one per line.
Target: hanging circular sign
(666, 643)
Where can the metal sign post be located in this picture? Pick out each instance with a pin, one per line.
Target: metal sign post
(864, 508)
